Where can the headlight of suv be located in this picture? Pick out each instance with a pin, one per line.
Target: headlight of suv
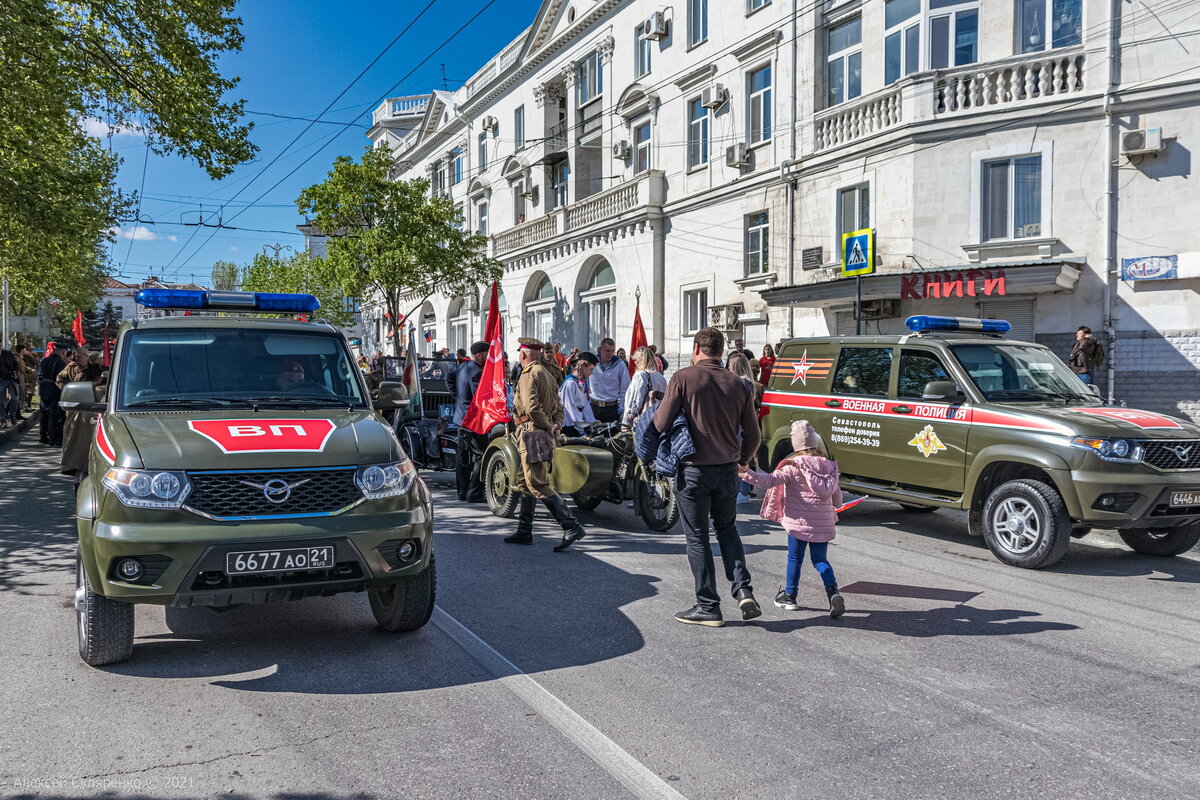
(1122, 451)
(147, 488)
(386, 480)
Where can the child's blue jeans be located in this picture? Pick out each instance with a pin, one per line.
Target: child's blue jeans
(818, 552)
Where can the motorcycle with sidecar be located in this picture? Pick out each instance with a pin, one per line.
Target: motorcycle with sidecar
(598, 467)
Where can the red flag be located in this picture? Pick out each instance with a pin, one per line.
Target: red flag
(106, 359)
(639, 335)
(77, 329)
(489, 406)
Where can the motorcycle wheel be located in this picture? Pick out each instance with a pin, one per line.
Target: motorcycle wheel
(586, 502)
(498, 488)
(656, 503)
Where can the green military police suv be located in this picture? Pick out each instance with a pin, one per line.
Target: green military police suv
(239, 459)
(955, 416)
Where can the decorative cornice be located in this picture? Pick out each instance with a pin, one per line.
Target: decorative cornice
(697, 77)
(759, 46)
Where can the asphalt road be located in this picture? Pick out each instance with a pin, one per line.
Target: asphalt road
(549, 675)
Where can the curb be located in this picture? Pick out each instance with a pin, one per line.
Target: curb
(16, 431)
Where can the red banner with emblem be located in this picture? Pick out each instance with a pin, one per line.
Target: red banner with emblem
(489, 406)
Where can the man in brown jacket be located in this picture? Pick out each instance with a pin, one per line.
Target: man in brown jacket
(538, 415)
(719, 409)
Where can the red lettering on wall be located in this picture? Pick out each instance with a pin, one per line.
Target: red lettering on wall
(976, 283)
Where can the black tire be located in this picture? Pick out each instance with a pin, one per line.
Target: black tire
(405, 604)
(1044, 532)
(916, 509)
(502, 498)
(586, 502)
(1162, 541)
(104, 626)
(658, 514)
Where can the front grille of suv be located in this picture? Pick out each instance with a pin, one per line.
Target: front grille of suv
(1165, 453)
(239, 495)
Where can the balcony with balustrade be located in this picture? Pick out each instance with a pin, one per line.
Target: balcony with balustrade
(395, 108)
(628, 201)
(1017, 83)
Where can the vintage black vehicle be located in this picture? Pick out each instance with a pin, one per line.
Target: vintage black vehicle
(426, 428)
(596, 468)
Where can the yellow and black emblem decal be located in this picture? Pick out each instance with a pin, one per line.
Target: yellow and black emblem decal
(927, 441)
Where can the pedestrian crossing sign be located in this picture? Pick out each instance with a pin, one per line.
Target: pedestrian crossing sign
(858, 253)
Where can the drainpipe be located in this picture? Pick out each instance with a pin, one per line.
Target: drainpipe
(1111, 217)
(791, 184)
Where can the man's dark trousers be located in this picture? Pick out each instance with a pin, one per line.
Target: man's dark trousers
(468, 464)
(706, 492)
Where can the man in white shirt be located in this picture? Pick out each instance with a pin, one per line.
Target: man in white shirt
(608, 383)
(575, 396)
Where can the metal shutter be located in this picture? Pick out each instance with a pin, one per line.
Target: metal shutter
(845, 323)
(1019, 313)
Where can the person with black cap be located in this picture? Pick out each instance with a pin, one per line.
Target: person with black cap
(538, 415)
(576, 396)
(469, 459)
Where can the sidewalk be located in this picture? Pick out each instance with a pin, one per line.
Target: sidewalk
(14, 432)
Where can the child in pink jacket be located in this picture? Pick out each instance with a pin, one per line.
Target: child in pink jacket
(802, 494)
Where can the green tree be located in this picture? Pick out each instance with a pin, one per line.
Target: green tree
(304, 273)
(226, 276)
(390, 239)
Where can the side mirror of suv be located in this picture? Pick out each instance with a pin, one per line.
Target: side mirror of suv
(392, 394)
(81, 396)
(943, 392)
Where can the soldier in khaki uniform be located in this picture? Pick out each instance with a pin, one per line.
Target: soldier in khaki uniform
(537, 410)
(27, 362)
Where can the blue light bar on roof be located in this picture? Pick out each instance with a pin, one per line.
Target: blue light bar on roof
(190, 300)
(923, 323)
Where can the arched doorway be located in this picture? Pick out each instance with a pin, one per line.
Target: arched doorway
(427, 334)
(539, 307)
(597, 303)
(459, 315)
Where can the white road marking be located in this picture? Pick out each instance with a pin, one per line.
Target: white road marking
(634, 775)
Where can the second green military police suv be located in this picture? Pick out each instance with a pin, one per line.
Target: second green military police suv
(954, 415)
(240, 459)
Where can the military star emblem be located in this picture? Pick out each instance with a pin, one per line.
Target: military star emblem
(927, 442)
(802, 367)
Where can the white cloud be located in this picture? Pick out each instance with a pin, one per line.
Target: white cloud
(101, 129)
(232, 249)
(139, 233)
(172, 238)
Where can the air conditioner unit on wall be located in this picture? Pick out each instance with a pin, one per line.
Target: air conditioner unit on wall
(737, 155)
(655, 26)
(879, 309)
(725, 318)
(1143, 142)
(621, 150)
(714, 96)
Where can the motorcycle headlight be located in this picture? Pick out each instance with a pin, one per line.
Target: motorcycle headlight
(148, 489)
(386, 480)
(1121, 451)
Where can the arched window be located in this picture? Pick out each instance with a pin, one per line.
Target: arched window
(539, 309)
(598, 298)
(460, 324)
(427, 341)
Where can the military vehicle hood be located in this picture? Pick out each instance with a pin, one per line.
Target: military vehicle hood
(1103, 421)
(270, 438)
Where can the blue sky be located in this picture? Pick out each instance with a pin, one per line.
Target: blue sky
(298, 55)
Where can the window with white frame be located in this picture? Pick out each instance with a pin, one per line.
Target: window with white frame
(481, 217)
(600, 299)
(758, 230)
(697, 22)
(460, 221)
(460, 326)
(950, 27)
(539, 312)
(438, 180)
(843, 70)
(853, 209)
(697, 135)
(1011, 198)
(758, 104)
(695, 310)
(589, 82)
(519, 128)
(458, 165)
(483, 154)
(641, 146)
(1045, 24)
(642, 50)
(755, 5)
(560, 177)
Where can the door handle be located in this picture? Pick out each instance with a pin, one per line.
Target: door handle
(901, 410)
(834, 403)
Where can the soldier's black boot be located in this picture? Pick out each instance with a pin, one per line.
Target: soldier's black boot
(572, 530)
(524, 534)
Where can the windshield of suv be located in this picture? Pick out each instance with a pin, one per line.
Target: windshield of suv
(1020, 373)
(224, 366)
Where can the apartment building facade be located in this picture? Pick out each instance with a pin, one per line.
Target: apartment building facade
(1024, 159)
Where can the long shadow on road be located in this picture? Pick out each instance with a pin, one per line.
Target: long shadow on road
(37, 524)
